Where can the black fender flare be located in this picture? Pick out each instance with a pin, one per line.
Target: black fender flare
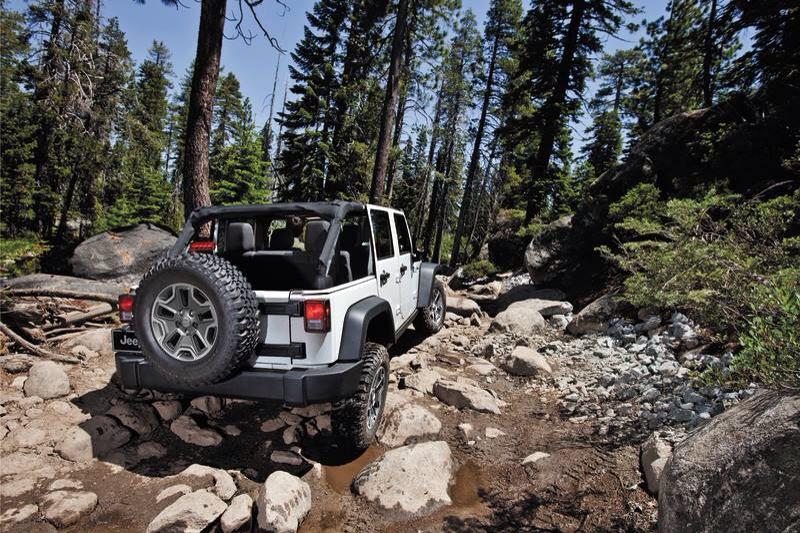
(372, 316)
(427, 275)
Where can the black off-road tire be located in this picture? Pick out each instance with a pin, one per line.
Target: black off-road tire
(236, 309)
(350, 419)
(428, 321)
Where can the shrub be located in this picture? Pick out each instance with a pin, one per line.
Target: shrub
(20, 256)
(478, 269)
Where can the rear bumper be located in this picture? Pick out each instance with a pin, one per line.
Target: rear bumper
(296, 387)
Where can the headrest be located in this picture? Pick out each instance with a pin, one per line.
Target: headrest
(349, 237)
(281, 239)
(239, 238)
(316, 235)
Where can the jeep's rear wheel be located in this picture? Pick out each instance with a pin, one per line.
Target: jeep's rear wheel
(356, 419)
(196, 318)
(431, 318)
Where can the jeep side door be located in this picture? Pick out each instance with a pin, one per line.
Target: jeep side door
(409, 278)
(387, 267)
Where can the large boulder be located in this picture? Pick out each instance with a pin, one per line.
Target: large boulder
(122, 253)
(738, 472)
(595, 317)
(283, 503)
(544, 254)
(462, 306)
(412, 480)
(525, 361)
(519, 318)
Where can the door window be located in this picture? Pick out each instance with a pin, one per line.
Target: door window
(403, 237)
(384, 247)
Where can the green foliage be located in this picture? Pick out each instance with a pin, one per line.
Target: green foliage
(479, 269)
(706, 256)
(771, 341)
(20, 256)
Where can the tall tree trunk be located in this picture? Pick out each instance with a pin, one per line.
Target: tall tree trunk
(201, 105)
(708, 56)
(552, 109)
(661, 74)
(466, 206)
(389, 105)
(437, 116)
(398, 130)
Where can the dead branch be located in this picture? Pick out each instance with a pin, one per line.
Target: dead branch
(63, 293)
(32, 348)
(78, 317)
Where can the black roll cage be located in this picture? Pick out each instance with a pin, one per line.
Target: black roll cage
(336, 211)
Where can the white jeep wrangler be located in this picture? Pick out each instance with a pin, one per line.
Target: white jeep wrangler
(294, 302)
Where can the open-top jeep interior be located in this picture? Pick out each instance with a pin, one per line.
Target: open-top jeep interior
(295, 246)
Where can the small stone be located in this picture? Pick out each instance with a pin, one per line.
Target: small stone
(410, 422)
(423, 381)
(224, 486)
(61, 484)
(286, 458)
(238, 514)
(272, 425)
(168, 410)
(654, 455)
(64, 508)
(462, 395)
(493, 433)
(191, 513)
(535, 457)
(94, 438)
(210, 405)
(47, 379)
(283, 503)
(524, 361)
(16, 515)
(290, 418)
(466, 429)
(188, 431)
(292, 434)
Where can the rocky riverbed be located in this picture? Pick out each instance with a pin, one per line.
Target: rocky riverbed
(519, 415)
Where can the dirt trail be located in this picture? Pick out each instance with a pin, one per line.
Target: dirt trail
(587, 481)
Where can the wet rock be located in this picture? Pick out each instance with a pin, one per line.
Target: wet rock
(283, 503)
(64, 508)
(463, 395)
(168, 410)
(238, 514)
(139, 417)
(96, 437)
(150, 450)
(117, 253)
(654, 455)
(224, 486)
(411, 421)
(286, 457)
(16, 515)
(725, 476)
(192, 512)
(595, 317)
(47, 379)
(525, 361)
(188, 431)
(462, 306)
(412, 480)
(519, 318)
(272, 425)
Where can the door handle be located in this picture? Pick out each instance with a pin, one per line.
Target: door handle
(403, 269)
(384, 277)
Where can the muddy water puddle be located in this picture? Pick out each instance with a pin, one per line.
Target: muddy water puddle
(339, 477)
(466, 484)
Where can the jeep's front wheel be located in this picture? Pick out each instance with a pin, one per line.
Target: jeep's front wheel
(431, 318)
(355, 420)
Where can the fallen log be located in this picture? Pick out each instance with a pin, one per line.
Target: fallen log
(35, 350)
(62, 293)
(79, 317)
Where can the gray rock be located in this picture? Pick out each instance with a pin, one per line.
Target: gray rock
(238, 514)
(535, 457)
(14, 515)
(412, 480)
(463, 395)
(53, 281)
(462, 306)
(46, 380)
(191, 513)
(546, 308)
(138, 417)
(559, 322)
(738, 472)
(64, 508)
(411, 421)
(168, 410)
(422, 381)
(525, 361)
(519, 318)
(543, 251)
(286, 457)
(283, 503)
(594, 317)
(94, 438)
(97, 340)
(188, 431)
(654, 455)
(120, 253)
(223, 484)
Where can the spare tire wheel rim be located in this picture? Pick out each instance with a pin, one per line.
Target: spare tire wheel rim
(184, 322)
(375, 399)
(437, 307)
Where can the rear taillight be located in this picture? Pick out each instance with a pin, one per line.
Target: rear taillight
(125, 306)
(317, 316)
(202, 247)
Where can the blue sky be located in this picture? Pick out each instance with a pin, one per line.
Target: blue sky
(254, 64)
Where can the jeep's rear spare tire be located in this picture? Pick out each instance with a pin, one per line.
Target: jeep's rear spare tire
(196, 318)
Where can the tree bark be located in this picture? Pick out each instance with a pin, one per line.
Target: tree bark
(437, 116)
(466, 203)
(552, 109)
(389, 105)
(201, 104)
(708, 56)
